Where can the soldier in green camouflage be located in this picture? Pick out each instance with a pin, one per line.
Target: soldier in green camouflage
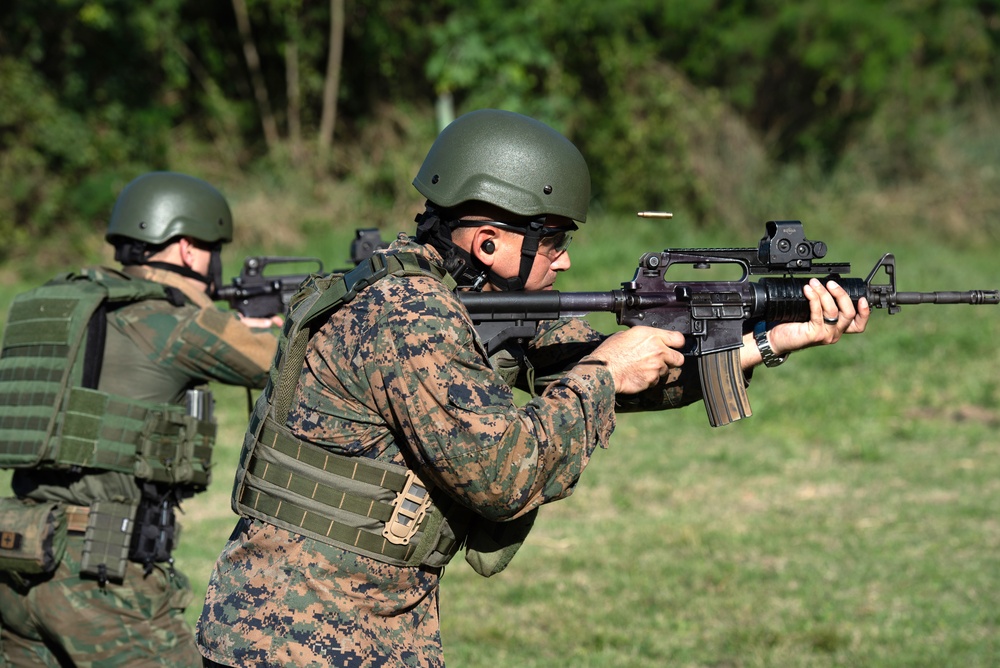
(105, 417)
(387, 439)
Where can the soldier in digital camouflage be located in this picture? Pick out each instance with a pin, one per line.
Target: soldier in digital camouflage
(105, 417)
(387, 439)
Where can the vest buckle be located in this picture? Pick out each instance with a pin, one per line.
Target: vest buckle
(409, 508)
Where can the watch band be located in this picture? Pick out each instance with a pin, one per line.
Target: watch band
(766, 353)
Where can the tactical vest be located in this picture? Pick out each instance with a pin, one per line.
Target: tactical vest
(51, 414)
(378, 509)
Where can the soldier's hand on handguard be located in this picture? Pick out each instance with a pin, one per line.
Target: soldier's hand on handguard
(639, 357)
(831, 315)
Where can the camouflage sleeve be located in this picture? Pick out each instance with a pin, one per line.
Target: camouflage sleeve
(205, 343)
(560, 343)
(557, 347)
(446, 405)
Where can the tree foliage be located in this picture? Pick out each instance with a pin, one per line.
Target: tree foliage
(661, 95)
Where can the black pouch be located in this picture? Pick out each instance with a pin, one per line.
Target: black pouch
(156, 531)
(32, 536)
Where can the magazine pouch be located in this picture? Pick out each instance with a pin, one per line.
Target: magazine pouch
(107, 540)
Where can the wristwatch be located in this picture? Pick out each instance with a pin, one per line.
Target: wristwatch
(766, 353)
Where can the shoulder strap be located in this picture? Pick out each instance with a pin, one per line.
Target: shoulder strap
(377, 267)
(93, 355)
(122, 289)
(318, 298)
(118, 291)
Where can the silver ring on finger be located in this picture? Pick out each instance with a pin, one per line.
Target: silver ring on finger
(831, 321)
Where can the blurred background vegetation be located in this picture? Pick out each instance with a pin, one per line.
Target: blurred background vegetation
(852, 522)
(855, 116)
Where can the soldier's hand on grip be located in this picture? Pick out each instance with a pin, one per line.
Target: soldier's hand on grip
(638, 357)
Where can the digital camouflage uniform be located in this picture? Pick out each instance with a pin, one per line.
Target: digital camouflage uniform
(154, 351)
(398, 374)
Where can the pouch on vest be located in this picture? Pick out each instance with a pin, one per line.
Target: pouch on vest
(32, 536)
(490, 546)
(176, 447)
(107, 540)
(156, 531)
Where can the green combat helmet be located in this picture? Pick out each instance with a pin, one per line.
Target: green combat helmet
(507, 160)
(157, 207)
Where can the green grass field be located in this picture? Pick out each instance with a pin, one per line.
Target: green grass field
(854, 520)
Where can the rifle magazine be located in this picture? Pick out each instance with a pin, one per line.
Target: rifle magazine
(722, 387)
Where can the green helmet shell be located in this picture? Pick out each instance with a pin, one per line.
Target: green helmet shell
(507, 160)
(159, 206)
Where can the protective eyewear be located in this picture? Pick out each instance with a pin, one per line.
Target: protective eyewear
(551, 240)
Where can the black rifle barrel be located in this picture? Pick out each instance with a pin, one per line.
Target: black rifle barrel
(947, 297)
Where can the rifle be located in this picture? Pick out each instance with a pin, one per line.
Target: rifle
(258, 296)
(713, 315)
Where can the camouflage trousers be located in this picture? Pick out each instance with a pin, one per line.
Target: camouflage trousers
(66, 620)
(278, 599)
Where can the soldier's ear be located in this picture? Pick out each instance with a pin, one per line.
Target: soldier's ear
(186, 251)
(485, 243)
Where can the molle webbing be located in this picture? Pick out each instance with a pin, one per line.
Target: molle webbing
(43, 336)
(111, 433)
(48, 418)
(340, 500)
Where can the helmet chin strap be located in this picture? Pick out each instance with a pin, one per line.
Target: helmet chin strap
(467, 271)
(433, 231)
(186, 272)
(136, 253)
(214, 272)
(529, 249)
